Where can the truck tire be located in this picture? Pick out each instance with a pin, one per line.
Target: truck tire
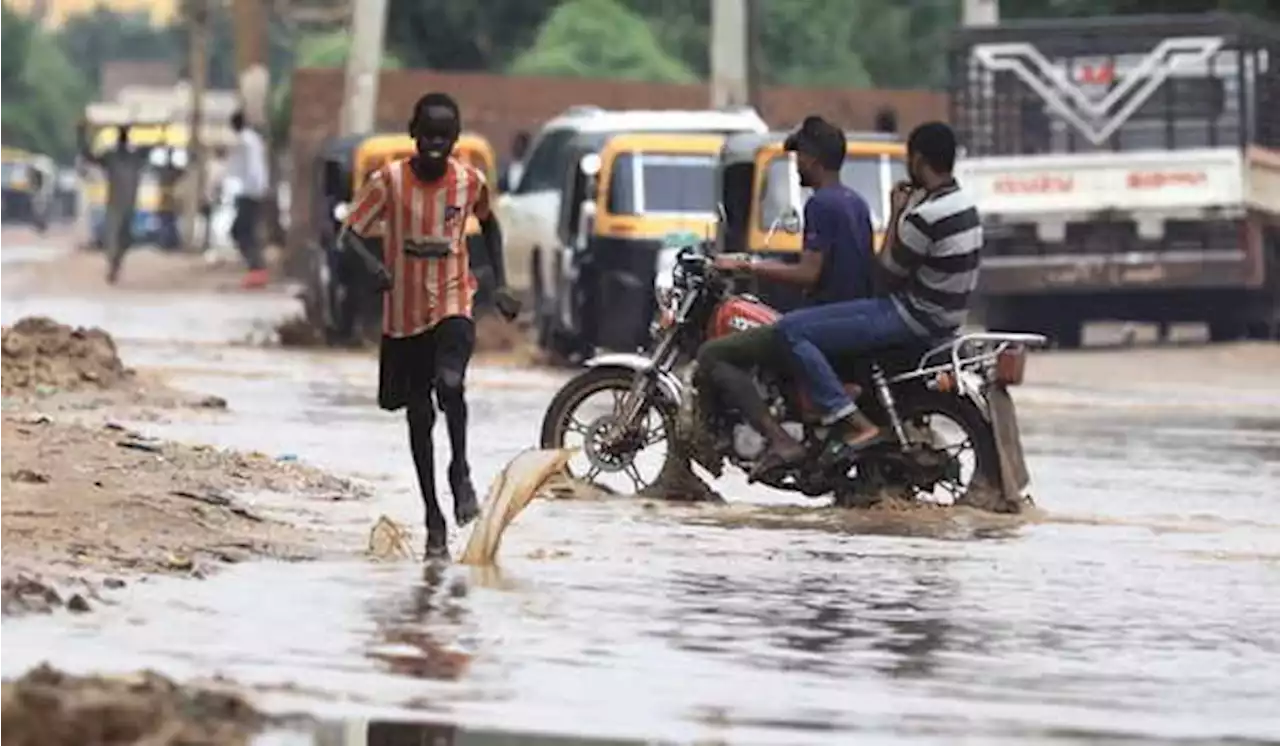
(1226, 330)
(1067, 334)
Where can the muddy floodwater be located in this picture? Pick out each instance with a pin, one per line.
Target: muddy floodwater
(1141, 600)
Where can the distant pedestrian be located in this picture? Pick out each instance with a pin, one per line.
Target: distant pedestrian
(248, 166)
(514, 168)
(122, 166)
(887, 120)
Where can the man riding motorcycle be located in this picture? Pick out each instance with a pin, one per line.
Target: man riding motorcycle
(931, 264)
(836, 265)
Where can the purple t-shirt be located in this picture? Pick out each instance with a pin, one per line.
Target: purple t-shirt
(837, 222)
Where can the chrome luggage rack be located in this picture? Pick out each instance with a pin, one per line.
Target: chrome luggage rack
(968, 351)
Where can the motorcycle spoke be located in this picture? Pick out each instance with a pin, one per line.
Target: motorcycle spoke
(592, 473)
(576, 425)
(655, 435)
(634, 473)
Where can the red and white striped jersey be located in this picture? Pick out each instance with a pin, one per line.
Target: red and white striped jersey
(424, 241)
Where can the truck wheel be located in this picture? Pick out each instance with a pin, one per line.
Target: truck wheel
(1226, 330)
(1068, 334)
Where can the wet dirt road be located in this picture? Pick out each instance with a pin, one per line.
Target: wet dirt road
(1139, 602)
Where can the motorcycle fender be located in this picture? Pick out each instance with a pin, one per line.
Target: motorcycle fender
(668, 384)
(1014, 476)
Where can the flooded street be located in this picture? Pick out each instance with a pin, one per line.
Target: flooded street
(1139, 601)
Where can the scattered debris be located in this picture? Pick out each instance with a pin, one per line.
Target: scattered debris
(25, 594)
(28, 476)
(211, 402)
(140, 444)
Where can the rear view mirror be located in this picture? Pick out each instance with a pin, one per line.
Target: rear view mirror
(790, 221)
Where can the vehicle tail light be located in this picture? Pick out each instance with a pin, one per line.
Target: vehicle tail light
(666, 317)
(1011, 366)
(945, 382)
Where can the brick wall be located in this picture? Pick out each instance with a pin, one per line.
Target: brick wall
(499, 106)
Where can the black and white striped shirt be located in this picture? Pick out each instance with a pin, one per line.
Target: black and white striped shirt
(938, 253)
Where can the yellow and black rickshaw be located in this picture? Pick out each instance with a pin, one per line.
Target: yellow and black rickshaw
(625, 195)
(764, 202)
(29, 182)
(345, 164)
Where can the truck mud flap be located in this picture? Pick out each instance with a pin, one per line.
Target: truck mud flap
(1014, 476)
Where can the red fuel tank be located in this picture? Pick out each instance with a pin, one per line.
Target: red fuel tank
(737, 314)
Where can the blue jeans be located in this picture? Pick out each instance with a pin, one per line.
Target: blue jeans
(851, 326)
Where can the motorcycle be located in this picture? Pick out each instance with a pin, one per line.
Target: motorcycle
(916, 393)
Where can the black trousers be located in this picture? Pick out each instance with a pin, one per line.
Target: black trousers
(244, 230)
(411, 370)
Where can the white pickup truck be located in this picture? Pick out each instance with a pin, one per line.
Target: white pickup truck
(1128, 173)
(530, 212)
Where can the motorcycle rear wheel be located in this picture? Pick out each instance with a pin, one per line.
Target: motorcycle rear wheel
(560, 421)
(978, 490)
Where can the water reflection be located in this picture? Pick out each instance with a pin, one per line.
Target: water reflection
(893, 623)
(418, 635)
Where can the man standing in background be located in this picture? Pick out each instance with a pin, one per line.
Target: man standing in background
(122, 168)
(248, 166)
(514, 168)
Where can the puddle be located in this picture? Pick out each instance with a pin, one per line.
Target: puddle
(1138, 603)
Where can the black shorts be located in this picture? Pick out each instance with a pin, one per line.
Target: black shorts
(409, 367)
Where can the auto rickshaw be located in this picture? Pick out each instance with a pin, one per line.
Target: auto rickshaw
(29, 182)
(764, 202)
(624, 196)
(346, 304)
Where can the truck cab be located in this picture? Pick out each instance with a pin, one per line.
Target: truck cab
(530, 211)
(1126, 168)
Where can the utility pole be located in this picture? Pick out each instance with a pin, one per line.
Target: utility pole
(980, 13)
(250, 22)
(360, 102)
(729, 55)
(198, 68)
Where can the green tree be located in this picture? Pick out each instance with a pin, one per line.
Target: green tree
(454, 35)
(92, 39)
(600, 39)
(44, 94)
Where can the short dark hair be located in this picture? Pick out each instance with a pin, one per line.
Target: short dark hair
(434, 106)
(821, 139)
(936, 143)
(237, 120)
(887, 120)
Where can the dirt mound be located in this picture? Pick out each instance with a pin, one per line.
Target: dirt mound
(47, 707)
(40, 354)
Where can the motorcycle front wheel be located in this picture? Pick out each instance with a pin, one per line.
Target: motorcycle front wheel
(585, 415)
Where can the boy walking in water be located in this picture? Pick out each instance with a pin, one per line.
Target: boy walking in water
(427, 330)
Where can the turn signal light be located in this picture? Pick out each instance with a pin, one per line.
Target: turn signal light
(945, 382)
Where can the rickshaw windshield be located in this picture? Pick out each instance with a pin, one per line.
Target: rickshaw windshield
(863, 174)
(12, 173)
(651, 183)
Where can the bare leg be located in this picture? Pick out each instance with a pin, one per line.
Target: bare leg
(422, 418)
